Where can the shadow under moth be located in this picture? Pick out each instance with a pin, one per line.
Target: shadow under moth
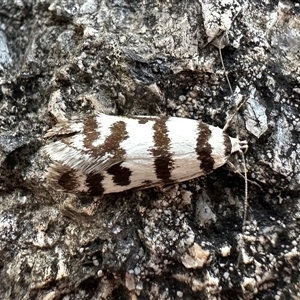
(109, 154)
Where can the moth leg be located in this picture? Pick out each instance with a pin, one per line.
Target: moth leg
(244, 146)
(80, 215)
(56, 107)
(235, 170)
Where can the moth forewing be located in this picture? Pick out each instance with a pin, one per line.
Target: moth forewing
(109, 154)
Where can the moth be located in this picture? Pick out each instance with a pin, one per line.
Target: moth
(107, 154)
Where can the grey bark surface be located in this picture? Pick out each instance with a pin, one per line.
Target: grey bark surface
(68, 59)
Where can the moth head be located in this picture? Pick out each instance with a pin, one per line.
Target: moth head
(238, 145)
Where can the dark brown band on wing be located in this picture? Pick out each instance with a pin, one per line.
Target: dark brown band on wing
(94, 183)
(203, 148)
(163, 161)
(227, 144)
(68, 181)
(90, 131)
(112, 142)
(121, 175)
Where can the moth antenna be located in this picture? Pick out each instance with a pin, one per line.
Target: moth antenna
(246, 204)
(244, 146)
(221, 57)
(222, 62)
(245, 180)
(233, 168)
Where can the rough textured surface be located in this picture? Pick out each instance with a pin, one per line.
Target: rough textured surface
(66, 59)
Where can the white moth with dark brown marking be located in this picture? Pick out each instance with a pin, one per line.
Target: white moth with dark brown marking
(109, 154)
